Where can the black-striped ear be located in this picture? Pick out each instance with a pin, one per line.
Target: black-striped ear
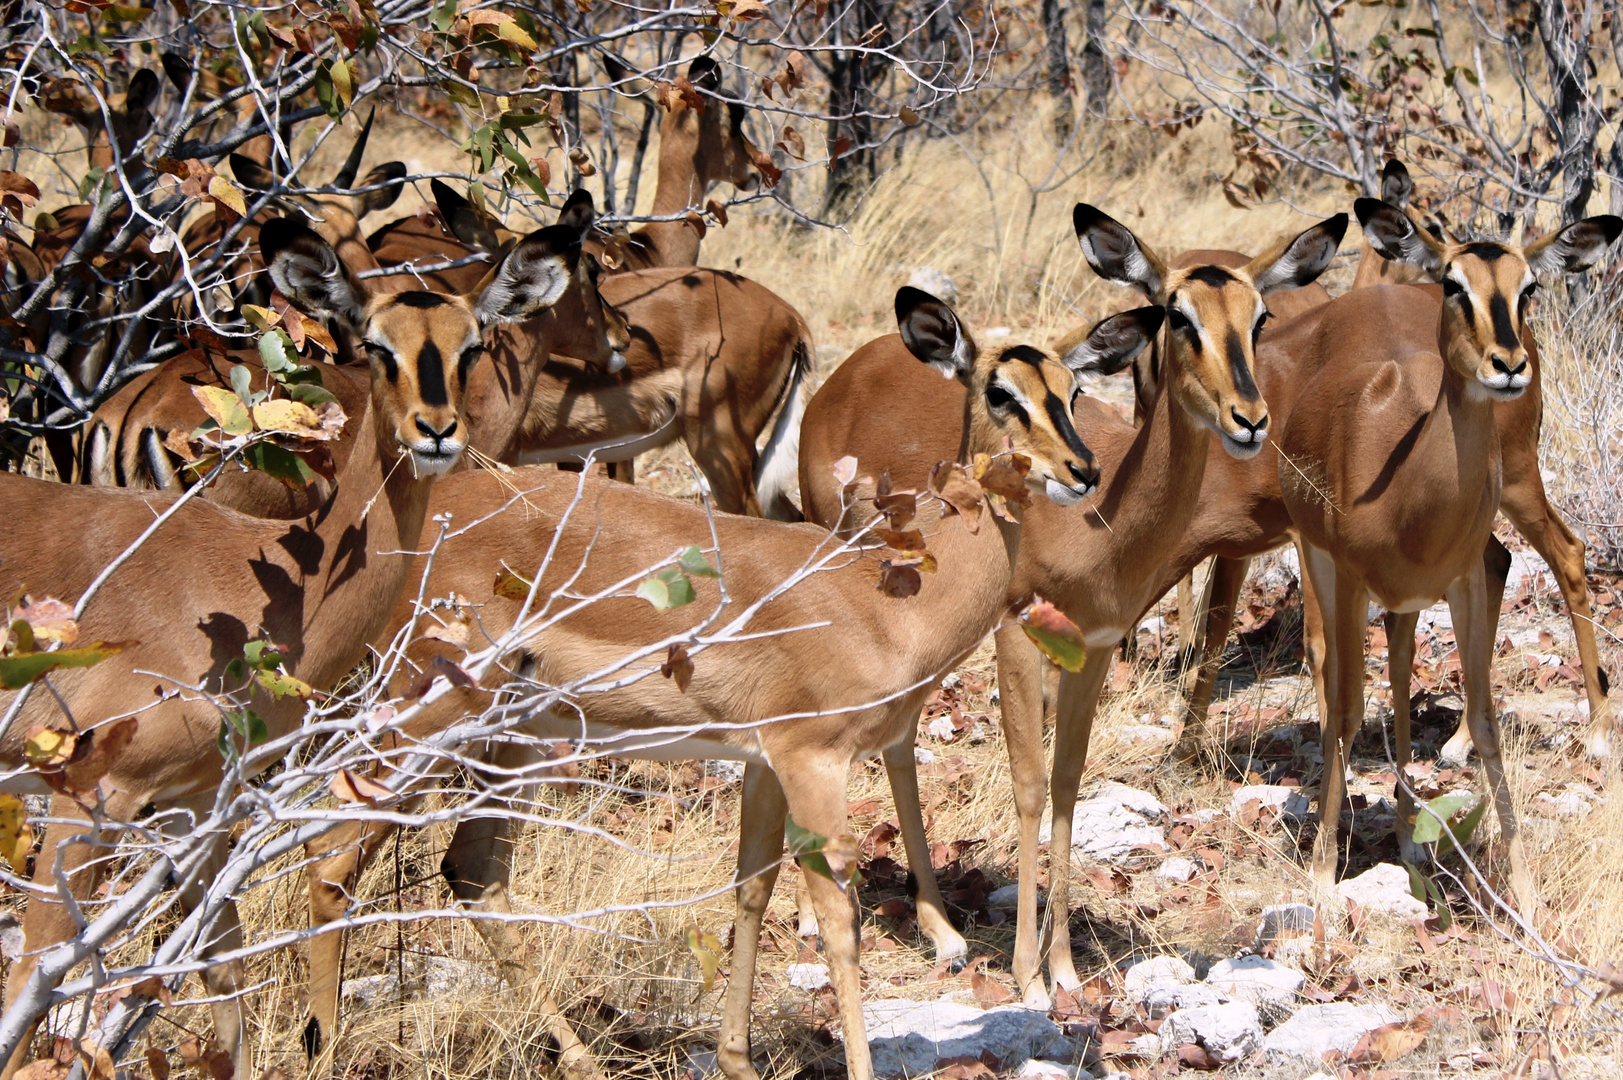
(705, 74)
(1113, 343)
(1294, 263)
(1396, 187)
(392, 173)
(1574, 248)
(932, 332)
(467, 222)
(142, 92)
(1391, 233)
(1117, 255)
(530, 278)
(579, 212)
(310, 274)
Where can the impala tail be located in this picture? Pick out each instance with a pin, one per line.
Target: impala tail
(778, 468)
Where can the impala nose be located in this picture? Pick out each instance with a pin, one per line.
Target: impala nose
(1087, 476)
(1507, 365)
(439, 436)
(1253, 432)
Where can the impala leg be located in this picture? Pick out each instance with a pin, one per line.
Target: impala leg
(1400, 631)
(46, 922)
(1468, 601)
(624, 471)
(815, 787)
(760, 851)
(1222, 593)
(1496, 566)
(903, 772)
(1020, 692)
(1530, 511)
(1188, 642)
(729, 466)
(1343, 695)
(1078, 697)
(224, 981)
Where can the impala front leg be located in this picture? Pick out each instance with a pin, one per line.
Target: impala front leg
(1020, 692)
(1400, 631)
(760, 852)
(901, 768)
(1220, 596)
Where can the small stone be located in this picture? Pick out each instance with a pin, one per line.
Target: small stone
(1176, 868)
(1115, 823)
(1567, 804)
(1256, 979)
(1165, 998)
(1228, 1032)
(1133, 734)
(909, 1037)
(1006, 897)
(1041, 1067)
(1157, 971)
(922, 756)
(808, 977)
(1318, 1029)
(935, 283)
(1284, 920)
(1383, 889)
(941, 727)
(1288, 801)
(729, 771)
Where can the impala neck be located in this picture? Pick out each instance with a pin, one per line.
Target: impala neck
(679, 188)
(501, 385)
(1460, 425)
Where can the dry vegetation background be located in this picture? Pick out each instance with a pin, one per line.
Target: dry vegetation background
(991, 210)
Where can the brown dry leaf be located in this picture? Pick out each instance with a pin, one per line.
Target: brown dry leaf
(97, 1061)
(688, 95)
(51, 620)
(1389, 1042)
(908, 116)
(744, 10)
(453, 672)
(988, 992)
(897, 581)
(952, 485)
(910, 540)
(349, 787)
(841, 145)
(792, 144)
(717, 211)
(95, 752)
(157, 1063)
(192, 1052)
(178, 443)
(452, 633)
(694, 222)
(678, 666)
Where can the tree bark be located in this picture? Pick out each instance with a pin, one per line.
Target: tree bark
(1096, 79)
(1057, 67)
(1577, 120)
(852, 75)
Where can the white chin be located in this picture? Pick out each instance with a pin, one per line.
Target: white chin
(1061, 495)
(428, 464)
(1243, 451)
(1507, 390)
(617, 362)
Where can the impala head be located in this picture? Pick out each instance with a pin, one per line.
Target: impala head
(1487, 287)
(1214, 315)
(129, 115)
(391, 174)
(1397, 188)
(720, 149)
(583, 324)
(421, 345)
(1019, 395)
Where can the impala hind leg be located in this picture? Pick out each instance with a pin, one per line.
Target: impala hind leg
(1496, 567)
(815, 786)
(46, 919)
(225, 982)
(1344, 605)
(760, 853)
(1078, 698)
(1220, 596)
(1020, 692)
(729, 466)
(903, 772)
(1468, 602)
(1400, 631)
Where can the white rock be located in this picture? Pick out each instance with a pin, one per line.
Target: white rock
(1289, 801)
(1176, 868)
(1523, 565)
(808, 977)
(935, 283)
(941, 727)
(1567, 804)
(1146, 975)
(1436, 617)
(1283, 920)
(923, 756)
(1039, 1067)
(1256, 979)
(1114, 822)
(1228, 1032)
(1383, 889)
(1145, 733)
(951, 681)
(1165, 999)
(730, 771)
(908, 1037)
(1154, 627)
(1006, 897)
(1318, 1029)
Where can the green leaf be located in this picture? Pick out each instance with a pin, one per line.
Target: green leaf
(309, 393)
(806, 846)
(277, 353)
(235, 673)
(262, 655)
(326, 93)
(17, 672)
(1417, 881)
(243, 384)
(91, 183)
(1460, 831)
(123, 14)
(1058, 637)
(670, 588)
(280, 464)
(1445, 915)
(693, 561)
(280, 685)
(1428, 828)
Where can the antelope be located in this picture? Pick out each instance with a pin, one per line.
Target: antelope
(712, 356)
(1098, 567)
(320, 588)
(1523, 501)
(125, 443)
(849, 686)
(1394, 475)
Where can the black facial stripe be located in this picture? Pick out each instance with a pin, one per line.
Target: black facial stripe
(1240, 369)
(1486, 250)
(1023, 352)
(1061, 419)
(431, 375)
(419, 299)
(1215, 276)
(386, 358)
(1504, 334)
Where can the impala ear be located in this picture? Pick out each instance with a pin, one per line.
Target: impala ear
(1117, 255)
(178, 69)
(251, 174)
(530, 278)
(1300, 260)
(142, 92)
(1115, 342)
(392, 173)
(931, 331)
(579, 212)
(1396, 187)
(467, 223)
(705, 74)
(1574, 248)
(310, 274)
(1391, 233)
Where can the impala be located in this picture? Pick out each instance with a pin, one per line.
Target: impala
(1100, 565)
(798, 708)
(320, 588)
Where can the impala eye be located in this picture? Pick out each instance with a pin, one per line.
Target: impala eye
(1452, 287)
(383, 355)
(998, 398)
(1178, 320)
(470, 356)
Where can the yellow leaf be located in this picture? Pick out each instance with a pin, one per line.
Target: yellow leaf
(706, 948)
(513, 32)
(48, 747)
(227, 193)
(292, 417)
(343, 81)
(262, 319)
(16, 835)
(225, 408)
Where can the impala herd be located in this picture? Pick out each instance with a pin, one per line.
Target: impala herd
(1402, 418)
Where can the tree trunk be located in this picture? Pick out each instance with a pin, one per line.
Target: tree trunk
(1057, 68)
(852, 75)
(1096, 79)
(1566, 53)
